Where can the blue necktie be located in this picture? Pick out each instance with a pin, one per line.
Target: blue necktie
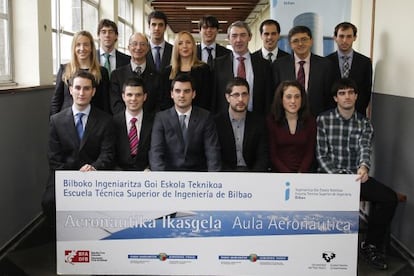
(79, 125)
(158, 58)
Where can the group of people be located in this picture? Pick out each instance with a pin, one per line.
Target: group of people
(189, 107)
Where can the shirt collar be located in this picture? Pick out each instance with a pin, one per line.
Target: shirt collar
(86, 111)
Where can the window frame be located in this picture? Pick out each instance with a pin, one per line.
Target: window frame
(8, 79)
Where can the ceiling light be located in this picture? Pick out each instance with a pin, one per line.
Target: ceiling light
(208, 8)
(220, 21)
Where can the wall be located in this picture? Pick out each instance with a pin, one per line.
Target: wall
(23, 160)
(393, 108)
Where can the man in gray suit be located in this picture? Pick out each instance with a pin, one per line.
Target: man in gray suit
(184, 137)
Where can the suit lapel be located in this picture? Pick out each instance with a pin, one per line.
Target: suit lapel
(89, 128)
(72, 132)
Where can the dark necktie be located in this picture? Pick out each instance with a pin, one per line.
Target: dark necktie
(133, 137)
(210, 57)
(301, 73)
(183, 127)
(79, 125)
(269, 57)
(241, 68)
(107, 63)
(345, 67)
(138, 71)
(158, 58)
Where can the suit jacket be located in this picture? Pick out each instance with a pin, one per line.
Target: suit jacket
(152, 84)
(319, 83)
(121, 58)
(220, 51)
(168, 150)
(255, 145)
(280, 53)
(203, 78)
(165, 59)
(262, 83)
(66, 152)
(361, 73)
(123, 158)
(62, 98)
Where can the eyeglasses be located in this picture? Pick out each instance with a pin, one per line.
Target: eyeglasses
(237, 95)
(302, 40)
(136, 44)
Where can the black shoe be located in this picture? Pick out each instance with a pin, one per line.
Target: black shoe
(372, 256)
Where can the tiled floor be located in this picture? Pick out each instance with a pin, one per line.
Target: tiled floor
(36, 256)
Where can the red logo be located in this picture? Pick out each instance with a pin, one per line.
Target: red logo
(77, 256)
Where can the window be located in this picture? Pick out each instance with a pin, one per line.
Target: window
(125, 25)
(5, 47)
(69, 17)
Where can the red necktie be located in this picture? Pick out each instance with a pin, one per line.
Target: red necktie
(301, 73)
(241, 68)
(133, 137)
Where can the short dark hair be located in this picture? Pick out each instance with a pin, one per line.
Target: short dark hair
(299, 29)
(158, 15)
(183, 77)
(278, 112)
(84, 75)
(345, 26)
(343, 84)
(208, 21)
(107, 23)
(134, 82)
(237, 81)
(269, 22)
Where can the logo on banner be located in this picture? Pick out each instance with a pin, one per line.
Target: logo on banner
(287, 191)
(162, 256)
(77, 256)
(328, 256)
(253, 258)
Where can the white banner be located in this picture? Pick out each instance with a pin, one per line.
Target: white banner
(183, 223)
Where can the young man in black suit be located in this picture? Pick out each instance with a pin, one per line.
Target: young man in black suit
(270, 34)
(348, 63)
(312, 71)
(80, 137)
(184, 137)
(160, 52)
(240, 63)
(208, 50)
(108, 56)
(242, 134)
(138, 67)
(133, 128)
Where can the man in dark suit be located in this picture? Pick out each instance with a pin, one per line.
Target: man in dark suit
(240, 63)
(159, 56)
(138, 67)
(80, 137)
(242, 134)
(270, 34)
(312, 71)
(133, 128)
(108, 56)
(208, 50)
(184, 137)
(347, 63)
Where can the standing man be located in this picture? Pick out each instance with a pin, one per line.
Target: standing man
(133, 128)
(208, 50)
(109, 57)
(80, 137)
(347, 63)
(270, 34)
(344, 146)
(240, 63)
(138, 67)
(312, 71)
(160, 54)
(242, 134)
(184, 137)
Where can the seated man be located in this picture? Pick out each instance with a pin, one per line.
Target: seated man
(184, 137)
(344, 146)
(242, 134)
(80, 137)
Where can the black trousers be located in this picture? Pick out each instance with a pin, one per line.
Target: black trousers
(383, 204)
